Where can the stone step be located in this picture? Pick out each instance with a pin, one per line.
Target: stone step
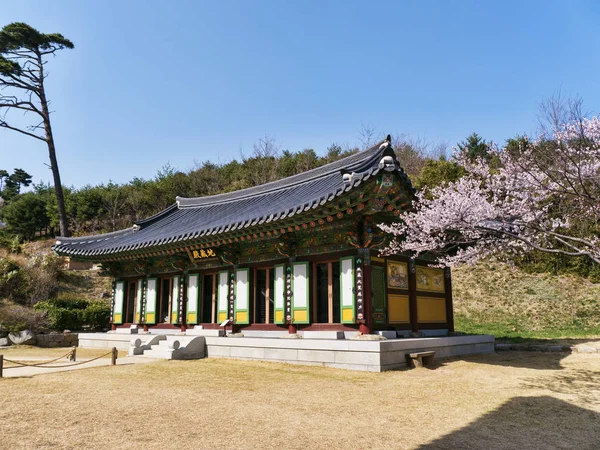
(204, 332)
(162, 354)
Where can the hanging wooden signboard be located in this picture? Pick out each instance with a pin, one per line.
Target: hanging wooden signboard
(202, 254)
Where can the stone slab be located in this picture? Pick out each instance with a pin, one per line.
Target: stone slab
(374, 356)
(322, 334)
(205, 332)
(388, 334)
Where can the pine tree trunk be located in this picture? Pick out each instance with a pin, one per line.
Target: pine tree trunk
(60, 198)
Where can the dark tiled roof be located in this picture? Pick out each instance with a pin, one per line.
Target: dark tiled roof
(191, 218)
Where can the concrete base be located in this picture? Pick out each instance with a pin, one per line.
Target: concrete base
(131, 330)
(322, 334)
(374, 356)
(199, 331)
(388, 334)
(108, 340)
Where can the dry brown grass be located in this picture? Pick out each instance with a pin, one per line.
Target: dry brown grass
(509, 301)
(28, 351)
(497, 401)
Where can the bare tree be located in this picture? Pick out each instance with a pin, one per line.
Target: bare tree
(557, 110)
(367, 136)
(23, 56)
(263, 162)
(411, 152)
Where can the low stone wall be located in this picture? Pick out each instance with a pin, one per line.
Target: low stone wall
(372, 356)
(547, 348)
(108, 340)
(57, 340)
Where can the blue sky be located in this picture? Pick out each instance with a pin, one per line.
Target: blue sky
(151, 82)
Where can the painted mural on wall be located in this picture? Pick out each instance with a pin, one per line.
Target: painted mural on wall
(397, 275)
(430, 280)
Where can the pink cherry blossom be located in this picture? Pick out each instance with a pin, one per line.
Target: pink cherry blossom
(545, 195)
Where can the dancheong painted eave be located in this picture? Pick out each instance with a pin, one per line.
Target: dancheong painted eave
(196, 219)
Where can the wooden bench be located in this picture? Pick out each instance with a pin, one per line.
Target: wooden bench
(421, 359)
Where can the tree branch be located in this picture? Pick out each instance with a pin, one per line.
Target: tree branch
(3, 124)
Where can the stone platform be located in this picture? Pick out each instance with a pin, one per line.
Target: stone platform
(373, 356)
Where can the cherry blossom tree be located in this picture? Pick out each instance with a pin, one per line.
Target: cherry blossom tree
(541, 194)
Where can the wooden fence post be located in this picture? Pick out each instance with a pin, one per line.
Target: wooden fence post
(113, 356)
(1, 364)
(74, 354)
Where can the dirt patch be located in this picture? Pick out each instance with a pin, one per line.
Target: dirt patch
(485, 401)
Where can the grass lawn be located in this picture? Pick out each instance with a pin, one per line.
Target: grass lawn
(49, 353)
(505, 332)
(496, 401)
(514, 306)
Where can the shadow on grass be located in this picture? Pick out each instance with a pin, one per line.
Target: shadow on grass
(582, 385)
(528, 360)
(527, 423)
(547, 342)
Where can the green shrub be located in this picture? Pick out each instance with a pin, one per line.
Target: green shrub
(12, 280)
(69, 301)
(42, 273)
(10, 242)
(70, 313)
(15, 318)
(97, 315)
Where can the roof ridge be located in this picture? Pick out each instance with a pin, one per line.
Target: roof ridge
(303, 177)
(92, 237)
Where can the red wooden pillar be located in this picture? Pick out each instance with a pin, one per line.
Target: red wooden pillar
(231, 302)
(412, 295)
(292, 329)
(448, 289)
(144, 300)
(366, 326)
(113, 327)
(183, 302)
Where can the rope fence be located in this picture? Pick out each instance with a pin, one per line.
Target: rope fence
(71, 355)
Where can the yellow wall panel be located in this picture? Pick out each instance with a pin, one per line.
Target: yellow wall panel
(117, 318)
(222, 317)
(241, 316)
(300, 316)
(430, 309)
(278, 316)
(398, 308)
(348, 314)
(192, 317)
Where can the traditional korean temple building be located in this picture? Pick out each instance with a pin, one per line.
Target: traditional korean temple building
(299, 253)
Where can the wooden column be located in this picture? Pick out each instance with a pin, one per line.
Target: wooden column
(144, 282)
(288, 297)
(113, 327)
(314, 292)
(412, 295)
(214, 298)
(367, 326)
(267, 295)
(254, 296)
(231, 304)
(449, 309)
(329, 293)
(183, 301)
(364, 309)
